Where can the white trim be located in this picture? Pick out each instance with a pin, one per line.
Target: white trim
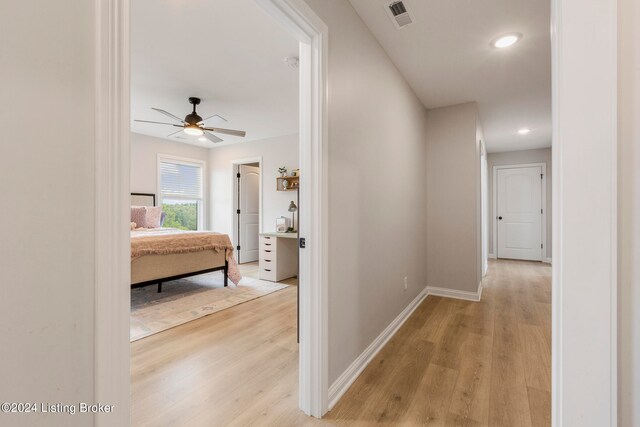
(493, 256)
(556, 189)
(112, 245)
(202, 209)
(547, 260)
(347, 378)
(484, 208)
(112, 303)
(543, 195)
(584, 61)
(457, 294)
(234, 193)
(298, 18)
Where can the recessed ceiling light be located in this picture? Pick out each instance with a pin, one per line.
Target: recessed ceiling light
(524, 131)
(506, 40)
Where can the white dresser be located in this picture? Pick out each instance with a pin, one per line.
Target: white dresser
(278, 256)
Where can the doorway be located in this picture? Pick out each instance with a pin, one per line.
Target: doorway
(247, 213)
(112, 200)
(519, 206)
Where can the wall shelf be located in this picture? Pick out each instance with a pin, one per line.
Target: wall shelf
(293, 183)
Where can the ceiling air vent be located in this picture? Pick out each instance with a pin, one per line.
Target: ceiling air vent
(399, 14)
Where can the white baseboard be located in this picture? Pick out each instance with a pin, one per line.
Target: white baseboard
(547, 260)
(344, 381)
(454, 293)
(492, 256)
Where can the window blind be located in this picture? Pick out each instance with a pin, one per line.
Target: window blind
(180, 180)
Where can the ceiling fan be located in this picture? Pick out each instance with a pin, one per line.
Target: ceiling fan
(193, 124)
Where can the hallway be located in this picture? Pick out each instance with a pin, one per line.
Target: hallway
(453, 363)
(458, 363)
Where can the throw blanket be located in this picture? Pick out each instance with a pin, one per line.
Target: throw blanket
(161, 241)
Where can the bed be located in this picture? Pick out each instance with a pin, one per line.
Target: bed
(164, 254)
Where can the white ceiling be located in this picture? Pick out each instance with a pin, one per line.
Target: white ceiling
(446, 57)
(230, 53)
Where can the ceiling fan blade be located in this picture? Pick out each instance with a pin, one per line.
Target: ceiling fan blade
(168, 114)
(175, 133)
(226, 131)
(211, 137)
(158, 123)
(211, 117)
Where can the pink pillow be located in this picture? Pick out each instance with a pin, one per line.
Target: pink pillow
(153, 216)
(138, 214)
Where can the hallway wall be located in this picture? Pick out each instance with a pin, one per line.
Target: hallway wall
(377, 147)
(454, 256)
(48, 202)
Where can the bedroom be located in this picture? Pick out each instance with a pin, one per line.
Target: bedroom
(195, 213)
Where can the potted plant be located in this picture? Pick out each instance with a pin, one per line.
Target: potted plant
(283, 171)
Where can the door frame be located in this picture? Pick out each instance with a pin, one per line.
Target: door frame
(543, 195)
(112, 242)
(484, 208)
(584, 58)
(234, 168)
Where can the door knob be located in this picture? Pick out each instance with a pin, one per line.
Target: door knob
(499, 217)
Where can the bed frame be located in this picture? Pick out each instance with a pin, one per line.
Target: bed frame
(159, 282)
(149, 199)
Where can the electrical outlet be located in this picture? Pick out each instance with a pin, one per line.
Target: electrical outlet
(406, 283)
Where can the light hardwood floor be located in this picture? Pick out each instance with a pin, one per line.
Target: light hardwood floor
(453, 363)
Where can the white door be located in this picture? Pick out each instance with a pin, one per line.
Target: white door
(519, 213)
(249, 216)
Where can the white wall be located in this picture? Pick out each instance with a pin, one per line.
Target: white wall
(541, 155)
(629, 213)
(377, 229)
(47, 222)
(453, 202)
(275, 152)
(144, 159)
(144, 162)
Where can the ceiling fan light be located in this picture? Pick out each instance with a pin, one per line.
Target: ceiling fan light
(193, 130)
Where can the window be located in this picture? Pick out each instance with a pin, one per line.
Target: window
(181, 192)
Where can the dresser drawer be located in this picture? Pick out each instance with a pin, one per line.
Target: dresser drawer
(267, 274)
(268, 263)
(268, 245)
(267, 254)
(268, 239)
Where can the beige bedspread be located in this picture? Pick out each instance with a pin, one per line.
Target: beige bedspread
(162, 241)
